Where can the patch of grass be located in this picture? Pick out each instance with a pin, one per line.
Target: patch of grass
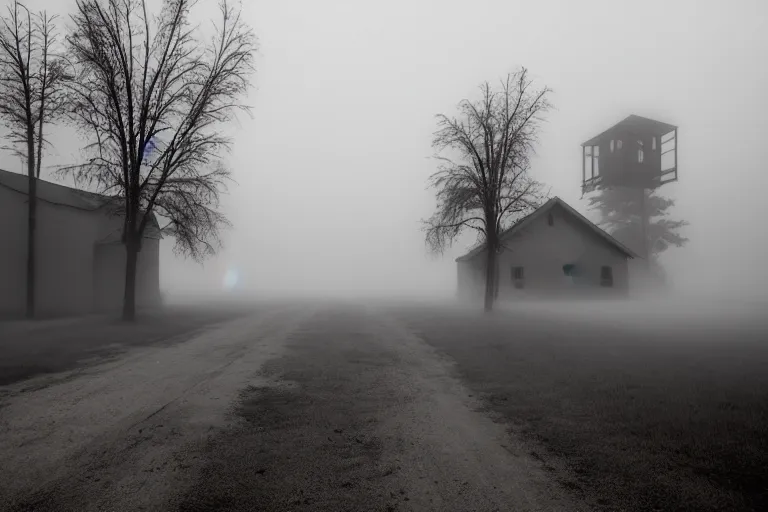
(675, 421)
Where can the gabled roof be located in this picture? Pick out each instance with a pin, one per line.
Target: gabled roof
(636, 125)
(546, 207)
(53, 192)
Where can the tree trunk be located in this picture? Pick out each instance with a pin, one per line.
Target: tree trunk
(40, 143)
(132, 256)
(31, 224)
(490, 276)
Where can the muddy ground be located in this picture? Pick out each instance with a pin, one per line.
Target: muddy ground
(291, 408)
(390, 407)
(32, 348)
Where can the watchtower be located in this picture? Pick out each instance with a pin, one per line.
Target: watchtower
(637, 153)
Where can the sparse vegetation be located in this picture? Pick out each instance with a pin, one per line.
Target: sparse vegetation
(645, 420)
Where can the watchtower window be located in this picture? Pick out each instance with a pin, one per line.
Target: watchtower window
(612, 141)
(653, 144)
(606, 276)
(640, 151)
(597, 161)
(518, 277)
(591, 165)
(618, 143)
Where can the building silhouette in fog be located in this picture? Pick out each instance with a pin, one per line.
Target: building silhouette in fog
(553, 252)
(80, 258)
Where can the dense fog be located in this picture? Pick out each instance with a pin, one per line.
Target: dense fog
(331, 171)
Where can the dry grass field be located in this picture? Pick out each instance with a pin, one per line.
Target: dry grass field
(651, 409)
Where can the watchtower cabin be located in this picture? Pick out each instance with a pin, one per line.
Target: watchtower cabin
(637, 152)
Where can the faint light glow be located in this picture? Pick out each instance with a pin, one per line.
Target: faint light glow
(149, 148)
(231, 279)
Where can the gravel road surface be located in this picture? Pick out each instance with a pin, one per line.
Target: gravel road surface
(329, 408)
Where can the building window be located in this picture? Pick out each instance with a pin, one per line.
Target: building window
(653, 144)
(618, 144)
(591, 161)
(606, 276)
(640, 151)
(596, 170)
(550, 219)
(518, 277)
(612, 146)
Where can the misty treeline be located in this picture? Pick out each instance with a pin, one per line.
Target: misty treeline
(484, 181)
(149, 92)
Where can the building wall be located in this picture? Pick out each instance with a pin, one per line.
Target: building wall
(65, 238)
(148, 274)
(622, 166)
(75, 274)
(13, 252)
(110, 260)
(109, 276)
(542, 250)
(64, 250)
(471, 278)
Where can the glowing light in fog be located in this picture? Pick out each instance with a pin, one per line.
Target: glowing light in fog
(231, 279)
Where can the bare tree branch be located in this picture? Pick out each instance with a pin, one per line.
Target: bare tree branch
(152, 95)
(31, 75)
(485, 183)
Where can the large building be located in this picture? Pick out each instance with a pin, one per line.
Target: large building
(553, 252)
(80, 263)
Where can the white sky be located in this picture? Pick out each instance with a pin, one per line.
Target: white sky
(331, 171)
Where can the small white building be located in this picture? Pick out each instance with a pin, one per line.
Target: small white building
(553, 252)
(80, 259)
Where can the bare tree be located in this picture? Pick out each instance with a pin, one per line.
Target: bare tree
(152, 95)
(484, 183)
(31, 76)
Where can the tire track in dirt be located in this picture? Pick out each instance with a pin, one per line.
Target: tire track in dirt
(307, 439)
(124, 436)
(362, 415)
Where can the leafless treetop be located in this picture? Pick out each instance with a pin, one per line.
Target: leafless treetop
(31, 72)
(483, 181)
(151, 96)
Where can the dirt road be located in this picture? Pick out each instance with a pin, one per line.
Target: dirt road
(292, 408)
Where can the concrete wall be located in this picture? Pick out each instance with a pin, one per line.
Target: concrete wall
(64, 266)
(64, 247)
(13, 252)
(542, 250)
(70, 280)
